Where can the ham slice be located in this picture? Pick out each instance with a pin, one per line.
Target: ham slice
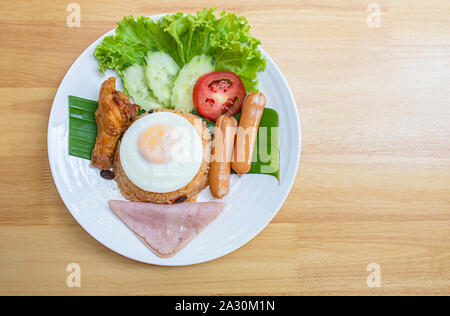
(166, 229)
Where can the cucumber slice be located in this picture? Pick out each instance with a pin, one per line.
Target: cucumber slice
(135, 83)
(183, 86)
(160, 71)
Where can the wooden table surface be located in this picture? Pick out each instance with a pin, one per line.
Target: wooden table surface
(374, 178)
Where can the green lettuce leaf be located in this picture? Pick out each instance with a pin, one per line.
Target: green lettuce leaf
(227, 38)
(237, 50)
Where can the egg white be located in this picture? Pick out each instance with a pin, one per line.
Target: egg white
(173, 175)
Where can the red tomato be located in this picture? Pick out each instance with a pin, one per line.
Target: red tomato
(217, 93)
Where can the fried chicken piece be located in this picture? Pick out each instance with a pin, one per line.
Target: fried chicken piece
(114, 115)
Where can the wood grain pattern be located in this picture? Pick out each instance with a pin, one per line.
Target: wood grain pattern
(374, 178)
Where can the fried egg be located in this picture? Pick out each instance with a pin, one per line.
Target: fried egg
(161, 152)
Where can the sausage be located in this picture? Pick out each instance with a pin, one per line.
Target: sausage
(222, 154)
(252, 111)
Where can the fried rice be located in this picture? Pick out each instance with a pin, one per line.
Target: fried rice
(133, 193)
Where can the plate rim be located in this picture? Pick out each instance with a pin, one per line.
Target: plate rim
(291, 181)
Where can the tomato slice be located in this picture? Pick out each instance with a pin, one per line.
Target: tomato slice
(217, 93)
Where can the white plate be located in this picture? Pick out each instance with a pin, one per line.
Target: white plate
(252, 203)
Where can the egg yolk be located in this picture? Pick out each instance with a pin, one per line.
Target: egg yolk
(156, 144)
